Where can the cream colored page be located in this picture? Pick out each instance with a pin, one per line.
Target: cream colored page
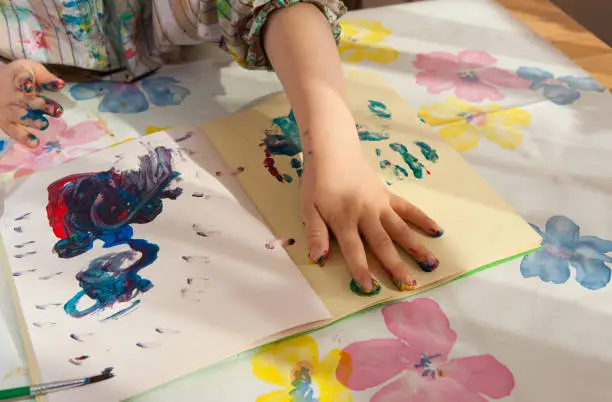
(216, 289)
(480, 227)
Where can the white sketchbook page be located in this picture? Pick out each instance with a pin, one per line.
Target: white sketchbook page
(12, 371)
(246, 292)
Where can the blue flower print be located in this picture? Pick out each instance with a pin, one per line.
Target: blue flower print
(561, 90)
(118, 97)
(563, 246)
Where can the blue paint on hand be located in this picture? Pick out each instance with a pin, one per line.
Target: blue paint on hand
(562, 247)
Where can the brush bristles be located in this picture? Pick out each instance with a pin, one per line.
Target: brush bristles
(105, 375)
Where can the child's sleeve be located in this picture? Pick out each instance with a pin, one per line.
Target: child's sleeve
(242, 23)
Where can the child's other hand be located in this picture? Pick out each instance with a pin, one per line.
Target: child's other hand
(21, 105)
(342, 193)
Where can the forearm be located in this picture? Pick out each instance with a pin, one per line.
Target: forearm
(301, 48)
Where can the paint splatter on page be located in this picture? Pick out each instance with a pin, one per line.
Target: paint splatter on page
(144, 264)
(102, 206)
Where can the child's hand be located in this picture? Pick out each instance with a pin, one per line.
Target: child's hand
(340, 191)
(21, 106)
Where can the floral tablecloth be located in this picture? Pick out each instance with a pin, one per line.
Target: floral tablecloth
(535, 126)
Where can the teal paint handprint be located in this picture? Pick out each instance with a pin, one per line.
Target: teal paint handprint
(283, 139)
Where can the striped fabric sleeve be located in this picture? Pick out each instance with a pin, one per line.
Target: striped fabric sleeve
(242, 23)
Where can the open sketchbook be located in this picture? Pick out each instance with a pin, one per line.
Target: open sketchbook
(150, 258)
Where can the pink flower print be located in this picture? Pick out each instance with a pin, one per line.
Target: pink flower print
(58, 143)
(415, 365)
(470, 73)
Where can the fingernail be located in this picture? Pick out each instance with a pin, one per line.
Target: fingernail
(321, 260)
(27, 85)
(372, 291)
(435, 231)
(54, 85)
(428, 263)
(404, 284)
(53, 108)
(33, 140)
(43, 124)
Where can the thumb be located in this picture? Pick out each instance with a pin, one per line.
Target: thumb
(317, 233)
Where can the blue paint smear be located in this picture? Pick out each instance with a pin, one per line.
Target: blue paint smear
(295, 163)
(288, 143)
(428, 152)
(412, 162)
(107, 283)
(102, 206)
(563, 247)
(367, 135)
(76, 3)
(379, 109)
(123, 312)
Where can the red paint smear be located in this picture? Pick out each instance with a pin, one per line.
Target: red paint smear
(84, 357)
(57, 209)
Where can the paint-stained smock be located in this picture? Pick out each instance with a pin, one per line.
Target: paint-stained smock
(135, 37)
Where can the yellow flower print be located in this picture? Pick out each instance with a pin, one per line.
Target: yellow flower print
(114, 144)
(154, 129)
(294, 365)
(360, 40)
(464, 124)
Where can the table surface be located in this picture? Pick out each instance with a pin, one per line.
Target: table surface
(582, 46)
(533, 329)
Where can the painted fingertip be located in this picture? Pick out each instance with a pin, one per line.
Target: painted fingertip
(321, 260)
(404, 284)
(27, 84)
(53, 108)
(55, 86)
(358, 290)
(43, 124)
(32, 140)
(428, 263)
(436, 232)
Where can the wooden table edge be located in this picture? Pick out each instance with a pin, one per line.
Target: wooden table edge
(571, 38)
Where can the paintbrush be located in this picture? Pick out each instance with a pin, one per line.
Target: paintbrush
(41, 389)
